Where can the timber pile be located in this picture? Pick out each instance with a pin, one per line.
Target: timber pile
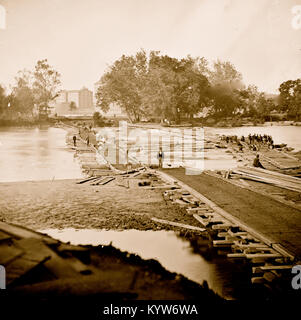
(280, 159)
(268, 177)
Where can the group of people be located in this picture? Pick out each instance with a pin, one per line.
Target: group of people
(254, 141)
(260, 139)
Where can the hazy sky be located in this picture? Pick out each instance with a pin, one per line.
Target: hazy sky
(80, 38)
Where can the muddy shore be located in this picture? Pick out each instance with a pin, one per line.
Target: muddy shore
(64, 204)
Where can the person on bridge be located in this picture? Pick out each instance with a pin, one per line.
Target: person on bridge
(74, 140)
(160, 157)
(257, 163)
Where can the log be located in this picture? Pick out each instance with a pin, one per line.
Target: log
(200, 220)
(236, 255)
(180, 225)
(89, 179)
(263, 255)
(283, 267)
(107, 181)
(257, 280)
(222, 243)
(222, 226)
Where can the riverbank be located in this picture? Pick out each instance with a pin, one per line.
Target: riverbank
(65, 204)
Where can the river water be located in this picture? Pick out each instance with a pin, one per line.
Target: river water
(187, 147)
(36, 154)
(173, 252)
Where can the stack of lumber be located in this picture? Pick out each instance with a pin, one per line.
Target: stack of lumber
(269, 177)
(280, 159)
(23, 251)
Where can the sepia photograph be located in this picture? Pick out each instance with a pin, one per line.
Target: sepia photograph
(150, 157)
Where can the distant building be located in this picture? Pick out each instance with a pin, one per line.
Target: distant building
(83, 100)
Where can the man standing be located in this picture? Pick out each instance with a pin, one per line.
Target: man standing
(74, 140)
(160, 157)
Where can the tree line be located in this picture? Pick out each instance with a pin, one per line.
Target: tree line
(155, 86)
(158, 86)
(30, 94)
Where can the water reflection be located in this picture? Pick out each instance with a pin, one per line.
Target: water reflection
(173, 252)
(36, 154)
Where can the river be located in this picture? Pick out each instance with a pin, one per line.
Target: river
(36, 154)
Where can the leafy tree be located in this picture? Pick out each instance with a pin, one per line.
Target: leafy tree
(290, 98)
(122, 84)
(22, 97)
(224, 73)
(225, 102)
(45, 85)
(154, 85)
(182, 84)
(226, 84)
(3, 99)
(98, 119)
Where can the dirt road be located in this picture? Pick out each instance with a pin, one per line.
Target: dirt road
(280, 223)
(65, 204)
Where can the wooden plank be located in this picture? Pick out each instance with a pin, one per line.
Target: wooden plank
(283, 267)
(89, 179)
(270, 276)
(222, 234)
(37, 250)
(257, 280)
(176, 224)
(164, 186)
(257, 246)
(19, 267)
(263, 255)
(274, 173)
(19, 231)
(223, 226)
(236, 255)
(265, 178)
(109, 179)
(222, 243)
(200, 220)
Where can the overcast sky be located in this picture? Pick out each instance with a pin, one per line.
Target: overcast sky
(80, 38)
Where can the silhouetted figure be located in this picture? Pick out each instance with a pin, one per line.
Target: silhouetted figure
(257, 163)
(74, 140)
(160, 158)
